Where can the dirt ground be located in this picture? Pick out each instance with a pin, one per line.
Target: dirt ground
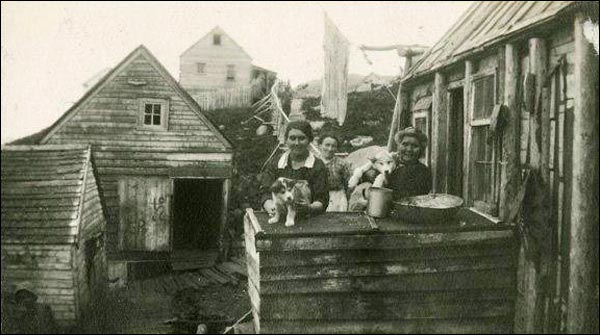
(146, 311)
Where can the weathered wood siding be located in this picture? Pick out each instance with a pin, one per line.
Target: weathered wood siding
(335, 274)
(109, 120)
(50, 204)
(90, 272)
(216, 59)
(46, 270)
(145, 211)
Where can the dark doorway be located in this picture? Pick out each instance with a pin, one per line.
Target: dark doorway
(197, 210)
(455, 145)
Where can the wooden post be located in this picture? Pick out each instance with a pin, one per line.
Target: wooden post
(467, 129)
(223, 250)
(397, 117)
(511, 174)
(583, 255)
(538, 64)
(439, 140)
(529, 310)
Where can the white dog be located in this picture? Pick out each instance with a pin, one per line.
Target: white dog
(287, 193)
(374, 173)
(381, 163)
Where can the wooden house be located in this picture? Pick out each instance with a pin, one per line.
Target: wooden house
(509, 99)
(163, 168)
(219, 73)
(53, 229)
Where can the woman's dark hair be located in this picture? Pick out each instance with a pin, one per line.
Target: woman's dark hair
(303, 126)
(323, 136)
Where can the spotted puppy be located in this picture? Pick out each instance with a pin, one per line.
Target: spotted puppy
(287, 194)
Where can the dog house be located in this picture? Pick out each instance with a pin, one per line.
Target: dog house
(53, 230)
(163, 168)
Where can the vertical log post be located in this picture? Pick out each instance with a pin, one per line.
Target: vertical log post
(467, 129)
(223, 248)
(511, 174)
(538, 64)
(583, 255)
(439, 140)
(398, 107)
(400, 116)
(529, 318)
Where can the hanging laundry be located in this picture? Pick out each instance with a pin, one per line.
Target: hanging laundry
(335, 78)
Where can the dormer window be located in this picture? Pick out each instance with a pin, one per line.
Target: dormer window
(217, 39)
(153, 114)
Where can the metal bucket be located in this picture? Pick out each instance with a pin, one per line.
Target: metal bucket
(380, 202)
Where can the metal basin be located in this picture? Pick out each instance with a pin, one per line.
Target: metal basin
(428, 209)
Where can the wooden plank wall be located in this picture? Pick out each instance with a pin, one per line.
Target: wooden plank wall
(92, 285)
(453, 282)
(145, 212)
(91, 276)
(251, 230)
(109, 121)
(47, 271)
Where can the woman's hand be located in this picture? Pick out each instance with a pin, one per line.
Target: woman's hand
(269, 206)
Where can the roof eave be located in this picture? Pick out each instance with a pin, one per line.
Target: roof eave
(484, 46)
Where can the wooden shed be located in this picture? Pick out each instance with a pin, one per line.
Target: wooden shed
(509, 98)
(163, 168)
(347, 273)
(53, 228)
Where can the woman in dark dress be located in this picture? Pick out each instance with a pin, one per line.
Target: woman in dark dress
(410, 177)
(300, 164)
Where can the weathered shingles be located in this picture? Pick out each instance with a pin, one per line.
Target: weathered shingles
(41, 194)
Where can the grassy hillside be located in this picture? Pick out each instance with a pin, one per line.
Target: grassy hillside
(250, 152)
(368, 114)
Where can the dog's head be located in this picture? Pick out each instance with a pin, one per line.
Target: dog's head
(282, 188)
(384, 162)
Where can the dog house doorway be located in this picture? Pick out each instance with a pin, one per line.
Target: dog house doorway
(197, 213)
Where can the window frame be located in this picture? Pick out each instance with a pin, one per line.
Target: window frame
(164, 113)
(233, 71)
(423, 114)
(470, 126)
(201, 68)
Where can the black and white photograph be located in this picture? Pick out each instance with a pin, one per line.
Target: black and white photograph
(299, 167)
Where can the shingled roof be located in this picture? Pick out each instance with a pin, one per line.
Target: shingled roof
(483, 24)
(43, 188)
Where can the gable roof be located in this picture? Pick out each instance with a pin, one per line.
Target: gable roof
(483, 24)
(139, 51)
(219, 30)
(43, 189)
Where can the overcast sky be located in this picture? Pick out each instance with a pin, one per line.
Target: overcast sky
(50, 49)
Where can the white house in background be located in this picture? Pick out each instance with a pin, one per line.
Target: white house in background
(219, 73)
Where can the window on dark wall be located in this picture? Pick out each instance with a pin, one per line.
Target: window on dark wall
(483, 175)
(153, 114)
(421, 123)
(217, 39)
(231, 72)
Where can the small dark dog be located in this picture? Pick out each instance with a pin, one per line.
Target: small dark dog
(287, 193)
